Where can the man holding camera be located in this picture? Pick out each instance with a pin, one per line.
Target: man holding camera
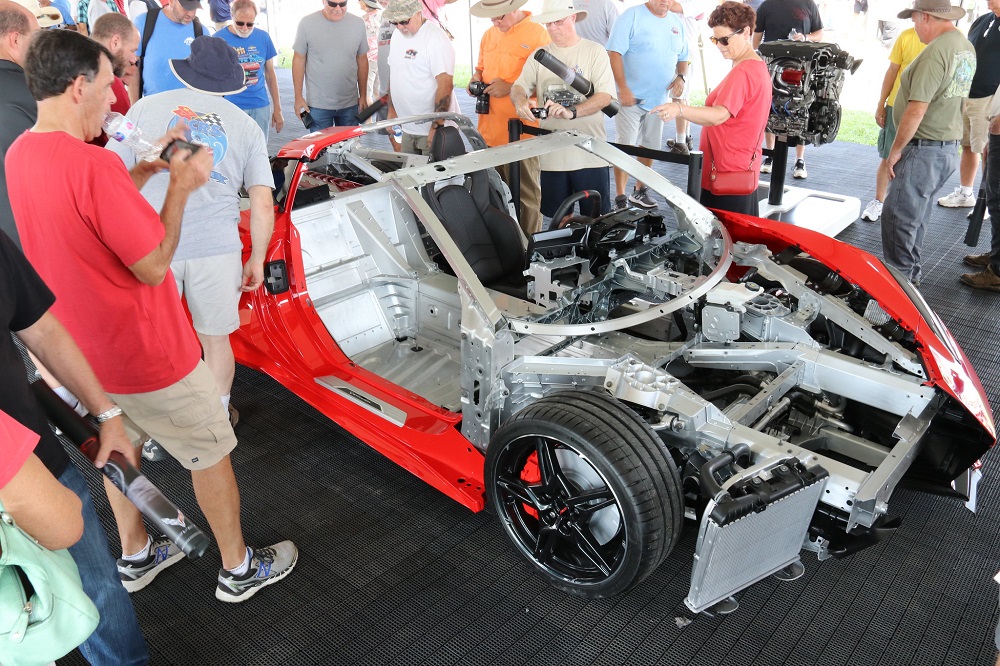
(502, 53)
(567, 172)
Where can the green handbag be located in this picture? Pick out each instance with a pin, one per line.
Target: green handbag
(44, 612)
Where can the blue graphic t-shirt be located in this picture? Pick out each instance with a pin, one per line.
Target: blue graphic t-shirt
(253, 52)
(650, 47)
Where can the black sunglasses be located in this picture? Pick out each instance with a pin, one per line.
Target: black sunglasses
(244, 25)
(406, 22)
(336, 4)
(724, 40)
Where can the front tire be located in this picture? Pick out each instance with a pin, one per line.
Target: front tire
(586, 492)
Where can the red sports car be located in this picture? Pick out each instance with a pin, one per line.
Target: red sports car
(602, 381)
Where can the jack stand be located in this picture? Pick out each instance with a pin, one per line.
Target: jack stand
(724, 607)
(823, 212)
(793, 571)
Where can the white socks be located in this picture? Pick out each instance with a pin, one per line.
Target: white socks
(142, 554)
(966, 191)
(682, 137)
(243, 568)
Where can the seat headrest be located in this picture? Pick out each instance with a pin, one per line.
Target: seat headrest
(447, 143)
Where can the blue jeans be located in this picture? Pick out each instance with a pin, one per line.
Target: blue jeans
(329, 117)
(118, 638)
(920, 173)
(261, 116)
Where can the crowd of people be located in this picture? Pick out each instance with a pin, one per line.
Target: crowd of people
(92, 284)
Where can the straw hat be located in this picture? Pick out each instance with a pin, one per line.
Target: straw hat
(941, 9)
(494, 8)
(557, 10)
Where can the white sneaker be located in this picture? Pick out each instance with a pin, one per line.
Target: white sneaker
(799, 170)
(958, 200)
(765, 166)
(873, 211)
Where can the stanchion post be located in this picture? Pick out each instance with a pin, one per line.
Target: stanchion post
(696, 162)
(779, 163)
(514, 128)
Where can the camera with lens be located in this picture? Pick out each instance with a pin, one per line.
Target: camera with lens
(478, 88)
(562, 96)
(540, 112)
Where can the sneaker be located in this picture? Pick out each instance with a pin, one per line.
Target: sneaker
(678, 148)
(984, 279)
(977, 260)
(234, 416)
(986, 215)
(765, 166)
(152, 451)
(799, 170)
(873, 211)
(958, 200)
(642, 198)
(137, 575)
(269, 565)
(621, 202)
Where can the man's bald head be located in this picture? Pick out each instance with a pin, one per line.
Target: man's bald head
(16, 25)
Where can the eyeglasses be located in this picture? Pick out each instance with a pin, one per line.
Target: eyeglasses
(497, 19)
(406, 22)
(245, 25)
(556, 23)
(331, 3)
(724, 40)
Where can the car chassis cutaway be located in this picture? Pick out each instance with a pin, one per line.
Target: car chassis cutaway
(773, 384)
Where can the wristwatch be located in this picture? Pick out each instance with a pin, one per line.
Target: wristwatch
(109, 414)
(573, 109)
(681, 77)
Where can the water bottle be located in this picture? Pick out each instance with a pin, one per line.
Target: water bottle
(121, 129)
(397, 133)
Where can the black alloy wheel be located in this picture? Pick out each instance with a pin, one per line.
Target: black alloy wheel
(586, 491)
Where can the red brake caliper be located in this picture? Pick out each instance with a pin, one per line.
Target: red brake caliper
(531, 474)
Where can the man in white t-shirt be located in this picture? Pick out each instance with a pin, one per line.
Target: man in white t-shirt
(421, 72)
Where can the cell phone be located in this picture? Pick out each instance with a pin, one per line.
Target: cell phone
(175, 145)
(540, 112)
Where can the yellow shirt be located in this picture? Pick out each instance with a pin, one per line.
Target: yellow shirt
(502, 56)
(907, 47)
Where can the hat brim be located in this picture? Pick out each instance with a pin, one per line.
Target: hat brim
(953, 14)
(492, 9)
(552, 17)
(186, 75)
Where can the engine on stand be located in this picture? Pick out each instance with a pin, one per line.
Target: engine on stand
(806, 80)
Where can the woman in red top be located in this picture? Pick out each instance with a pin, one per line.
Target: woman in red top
(735, 112)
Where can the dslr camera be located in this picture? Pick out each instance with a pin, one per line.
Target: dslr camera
(478, 88)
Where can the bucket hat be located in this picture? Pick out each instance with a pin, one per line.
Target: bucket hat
(400, 10)
(212, 68)
(494, 8)
(941, 9)
(557, 10)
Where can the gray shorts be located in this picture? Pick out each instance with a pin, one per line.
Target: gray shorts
(211, 286)
(638, 127)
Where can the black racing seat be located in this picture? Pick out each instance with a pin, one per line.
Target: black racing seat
(489, 238)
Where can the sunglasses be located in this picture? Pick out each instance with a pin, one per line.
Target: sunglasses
(497, 19)
(331, 3)
(724, 40)
(406, 22)
(244, 25)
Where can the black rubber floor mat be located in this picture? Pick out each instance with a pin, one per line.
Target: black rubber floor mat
(392, 572)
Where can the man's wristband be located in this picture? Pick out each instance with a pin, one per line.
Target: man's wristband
(109, 414)
(681, 77)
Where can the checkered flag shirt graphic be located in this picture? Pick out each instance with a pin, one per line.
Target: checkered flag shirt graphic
(211, 119)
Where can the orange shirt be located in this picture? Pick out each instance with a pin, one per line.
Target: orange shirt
(502, 56)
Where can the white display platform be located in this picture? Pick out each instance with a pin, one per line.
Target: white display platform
(824, 212)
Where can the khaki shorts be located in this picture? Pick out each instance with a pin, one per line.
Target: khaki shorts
(212, 288)
(415, 144)
(638, 127)
(976, 123)
(186, 418)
